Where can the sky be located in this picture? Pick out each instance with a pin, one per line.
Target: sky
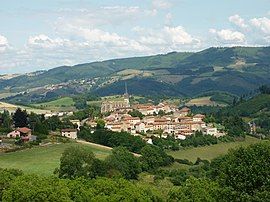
(43, 34)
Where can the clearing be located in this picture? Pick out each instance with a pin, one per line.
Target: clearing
(43, 159)
(211, 152)
(61, 104)
(203, 101)
(12, 108)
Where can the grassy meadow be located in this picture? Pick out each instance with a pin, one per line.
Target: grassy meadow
(12, 108)
(202, 101)
(61, 104)
(212, 151)
(43, 159)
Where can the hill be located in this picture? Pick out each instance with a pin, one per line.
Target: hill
(235, 70)
(254, 106)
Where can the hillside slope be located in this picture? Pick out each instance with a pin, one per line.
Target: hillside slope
(236, 70)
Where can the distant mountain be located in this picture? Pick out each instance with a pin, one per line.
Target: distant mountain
(236, 70)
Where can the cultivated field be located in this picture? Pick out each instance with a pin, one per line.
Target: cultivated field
(203, 101)
(43, 160)
(210, 152)
(12, 108)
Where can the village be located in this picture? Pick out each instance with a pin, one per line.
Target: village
(160, 120)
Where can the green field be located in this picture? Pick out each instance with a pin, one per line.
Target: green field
(42, 160)
(210, 152)
(61, 104)
(12, 108)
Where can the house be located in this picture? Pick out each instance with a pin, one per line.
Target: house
(132, 120)
(211, 131)
(14, 134)
(25, 131)
(184, 111)
(140, 127)
(198, 117)
(180, 137)
(69, 133)
(149, 141)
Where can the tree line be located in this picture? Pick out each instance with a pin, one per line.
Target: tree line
(241, 175)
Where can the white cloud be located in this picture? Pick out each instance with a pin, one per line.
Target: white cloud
(178, 35)
(263, 24)
(237, 20)
(3, 43)
(167, 39)
(43, 41)
(161, 4)
(228, 36)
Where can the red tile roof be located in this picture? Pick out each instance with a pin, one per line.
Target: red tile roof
(24, 130)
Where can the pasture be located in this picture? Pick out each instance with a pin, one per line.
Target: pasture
(212, 151)
(43, 159)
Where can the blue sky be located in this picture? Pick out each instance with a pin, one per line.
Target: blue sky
(42, 34)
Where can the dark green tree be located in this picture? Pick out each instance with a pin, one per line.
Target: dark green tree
(153, 157)
(20, 118)
(124, 162)
(245, 171)
(80, 162)
(196, 190)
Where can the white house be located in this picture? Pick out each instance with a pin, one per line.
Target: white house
(140, 127)
(69, 133)
(211, 131)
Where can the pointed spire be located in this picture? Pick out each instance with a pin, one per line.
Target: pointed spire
(126, 90)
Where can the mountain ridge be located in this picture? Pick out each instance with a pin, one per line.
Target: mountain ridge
(235, 70)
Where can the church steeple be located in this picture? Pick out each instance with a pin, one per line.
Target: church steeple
(126, 95)
(126, 92)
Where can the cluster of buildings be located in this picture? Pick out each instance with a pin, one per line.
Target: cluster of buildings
(172, 122)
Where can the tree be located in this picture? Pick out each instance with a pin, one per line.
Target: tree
(6, 178)
(37, 188)
(264, 89)
(53, 123)
(80, 162)
(80, 104)
(20, 118)
(100, 124)
(125, 162)
(153, 157)
(245, 170)
(7, 121)
(196, 190)
(136, 113)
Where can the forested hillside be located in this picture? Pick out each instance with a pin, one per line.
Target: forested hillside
(236, 70)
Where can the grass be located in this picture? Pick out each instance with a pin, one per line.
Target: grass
(202, 101)
(42, 160)
(176, 166)
(210, 152)
(12, 108)
(61, 104)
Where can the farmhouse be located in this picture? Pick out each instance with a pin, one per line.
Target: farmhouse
(69, 133)
(24, 133)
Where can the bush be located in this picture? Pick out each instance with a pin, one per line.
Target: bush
(183, 161)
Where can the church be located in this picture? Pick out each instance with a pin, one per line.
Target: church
(110, 106)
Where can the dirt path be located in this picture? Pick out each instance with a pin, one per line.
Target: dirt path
(101, 146)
